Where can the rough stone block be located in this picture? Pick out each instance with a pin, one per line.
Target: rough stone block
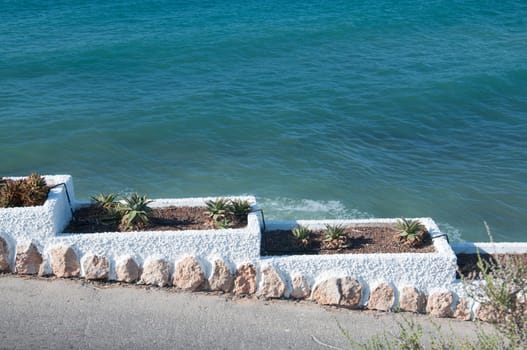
(127, 270)
(440, 304)
(188, 275)
(327, 292)
(245, 281)
(412, 300)
(5, 266)
(351, 291)
(382, 298)
(272, 284)
(462, 311)
(300, 288)
(489, 313)
(221, 278)
(28, 259)
(96, 267)
(156, 272)
(64, 262)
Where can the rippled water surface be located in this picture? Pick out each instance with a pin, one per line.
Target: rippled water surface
(322, 109)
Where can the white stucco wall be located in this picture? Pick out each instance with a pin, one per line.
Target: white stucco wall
(490, 247)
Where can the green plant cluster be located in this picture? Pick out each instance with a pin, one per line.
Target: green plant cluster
(132, 212)
(411, 336)
(411, 232)
(27, 192)
(334, 232)
(335, 236)
(504, 294)
(227, 213)
(302, 234)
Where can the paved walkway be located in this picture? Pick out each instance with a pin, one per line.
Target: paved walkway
(66, 314)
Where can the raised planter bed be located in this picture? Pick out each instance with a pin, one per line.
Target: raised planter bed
(425, 270)
(358, 239)
(40, 222)
(234, 244)
(24, 230)
(171, 218)
(189, 256)
(467, 254)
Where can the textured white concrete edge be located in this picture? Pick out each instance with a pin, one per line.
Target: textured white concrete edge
(425, 271)
(490, 247)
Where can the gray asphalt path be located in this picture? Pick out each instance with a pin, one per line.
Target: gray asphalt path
(67, 314)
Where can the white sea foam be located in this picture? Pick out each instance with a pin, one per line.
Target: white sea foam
(453, 233)
(281, 208)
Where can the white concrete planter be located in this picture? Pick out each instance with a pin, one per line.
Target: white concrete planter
(230, 258)
(425, 271)
(235, 245)
(39, 223)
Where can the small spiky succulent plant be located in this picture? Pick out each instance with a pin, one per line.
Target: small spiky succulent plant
(217, 209)
(335, 236)
(238, 210)
(34, 190)
(10, 193)
(106, 201)
(30, 191)
(411, 232)
(302, 234)
(135, 212)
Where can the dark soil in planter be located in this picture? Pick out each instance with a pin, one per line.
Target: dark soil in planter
(468, 263)
(91, 219)
(360, 240)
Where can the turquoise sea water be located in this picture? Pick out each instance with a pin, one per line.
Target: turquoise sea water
(322, 109)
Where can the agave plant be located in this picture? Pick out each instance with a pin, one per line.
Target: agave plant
(302, 234)
(30, 191)
(238, 210)
(10, 193)
(106, 201)
(217, 209)
(34, 190)
(109, 206)
(223, 223)
(135, 212)
(410, 231)
(334, 232)
(335, 236)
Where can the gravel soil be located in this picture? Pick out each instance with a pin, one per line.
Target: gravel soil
(92, 219)
(370, 239)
